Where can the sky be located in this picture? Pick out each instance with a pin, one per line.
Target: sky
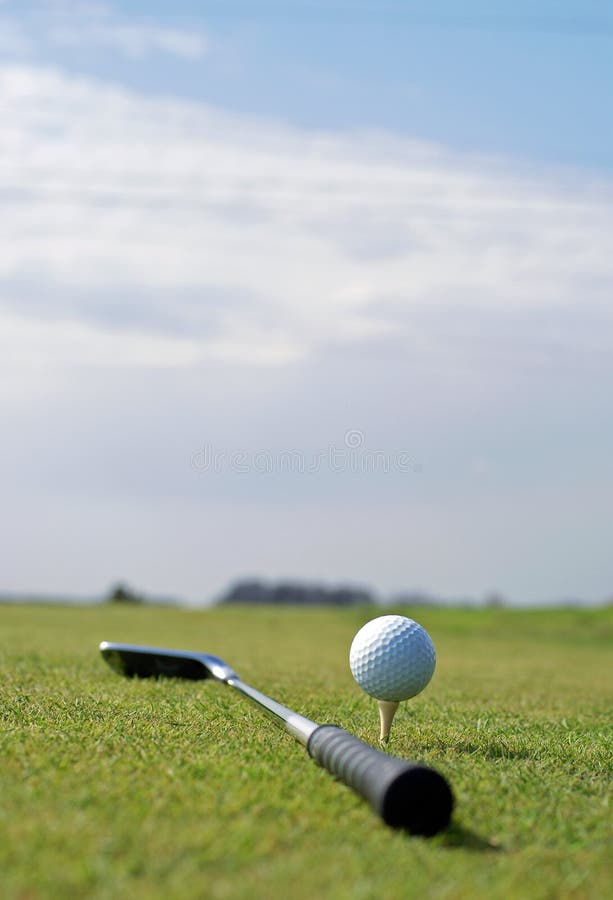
(319, 291)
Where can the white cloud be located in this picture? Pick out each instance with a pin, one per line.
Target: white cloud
(44, 345)
(80, 27)
(271, 242)
(133, 41)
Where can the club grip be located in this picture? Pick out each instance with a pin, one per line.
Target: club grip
(405, 794)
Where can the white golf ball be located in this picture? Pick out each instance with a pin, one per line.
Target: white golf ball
(392, 658)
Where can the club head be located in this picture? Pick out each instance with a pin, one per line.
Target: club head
(133, 660)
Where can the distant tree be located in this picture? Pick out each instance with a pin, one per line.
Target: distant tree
(295, 594)
(122, 594)
(247, 592)
(494, 600)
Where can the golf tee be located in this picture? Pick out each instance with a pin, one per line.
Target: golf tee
(387, 711)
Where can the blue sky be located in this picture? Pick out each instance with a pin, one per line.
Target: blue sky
(260, 229)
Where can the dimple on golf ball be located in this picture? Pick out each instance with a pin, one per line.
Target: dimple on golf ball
(392, 658)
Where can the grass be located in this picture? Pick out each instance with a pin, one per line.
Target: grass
(113, 788)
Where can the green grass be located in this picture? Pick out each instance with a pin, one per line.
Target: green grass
(116, 788)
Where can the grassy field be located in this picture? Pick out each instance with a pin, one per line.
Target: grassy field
(116, 788)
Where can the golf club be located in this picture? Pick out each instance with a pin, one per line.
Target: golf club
(405, 794)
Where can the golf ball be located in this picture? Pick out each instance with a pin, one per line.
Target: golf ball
(392, 658)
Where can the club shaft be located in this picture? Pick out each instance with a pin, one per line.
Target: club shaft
(298, 726)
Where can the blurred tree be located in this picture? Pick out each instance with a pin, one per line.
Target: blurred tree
(122, 594)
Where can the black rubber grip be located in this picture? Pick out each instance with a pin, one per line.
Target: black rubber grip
(405, 794)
